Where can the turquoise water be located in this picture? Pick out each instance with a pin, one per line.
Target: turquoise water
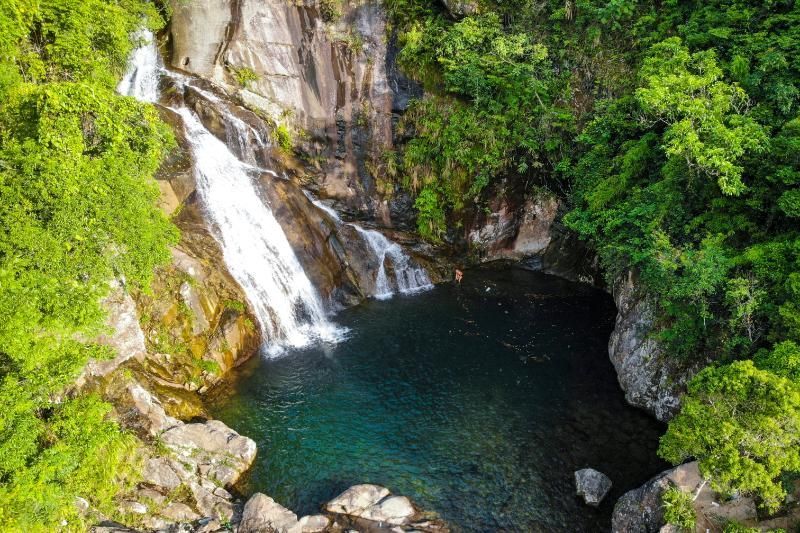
(477, 401)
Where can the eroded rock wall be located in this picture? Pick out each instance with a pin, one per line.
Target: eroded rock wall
(524, 226)
(650, 379)
(328, 76)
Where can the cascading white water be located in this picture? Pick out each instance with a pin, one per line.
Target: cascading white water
(408, 276)
(319, 205)
(242, 136)
(144, 70)
(255, 248)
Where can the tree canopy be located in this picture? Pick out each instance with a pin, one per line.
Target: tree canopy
(671, 133)
(77, 211)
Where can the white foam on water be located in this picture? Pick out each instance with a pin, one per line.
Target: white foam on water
(409, 277)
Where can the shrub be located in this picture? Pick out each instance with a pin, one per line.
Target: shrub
(678, 509)
(244, 75)
(283, 136)
(77, 209)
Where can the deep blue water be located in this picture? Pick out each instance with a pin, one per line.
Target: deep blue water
(477, 401)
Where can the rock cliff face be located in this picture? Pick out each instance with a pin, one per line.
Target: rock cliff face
(326, 75)
(525, 227)
(650, 380)
(187, 468)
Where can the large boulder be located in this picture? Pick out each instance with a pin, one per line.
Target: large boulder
(592, 485)
(460, 8)
(373, 503)
(158, 472)
(213, 449)
(357, 499)
(313, 524)
(641, 509)
(124, 335)
(262, 514)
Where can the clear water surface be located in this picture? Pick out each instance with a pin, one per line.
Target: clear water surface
(477, 401)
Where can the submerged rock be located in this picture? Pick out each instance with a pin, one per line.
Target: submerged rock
(592, 485)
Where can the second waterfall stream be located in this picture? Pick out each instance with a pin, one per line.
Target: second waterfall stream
(256, 250)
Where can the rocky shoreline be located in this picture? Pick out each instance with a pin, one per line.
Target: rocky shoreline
(190, 470)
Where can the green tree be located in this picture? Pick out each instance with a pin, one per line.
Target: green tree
(742, 424)
(706, 117)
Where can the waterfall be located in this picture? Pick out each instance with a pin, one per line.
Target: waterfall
(144, 70)
(255, 248)
(241, 137)
(408, 276)
(322, 207)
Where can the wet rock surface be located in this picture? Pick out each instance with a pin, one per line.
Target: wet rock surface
(592, 485)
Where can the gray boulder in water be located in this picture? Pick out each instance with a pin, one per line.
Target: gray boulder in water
(592, 485)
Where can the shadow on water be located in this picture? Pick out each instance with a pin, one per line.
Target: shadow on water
(477, 401)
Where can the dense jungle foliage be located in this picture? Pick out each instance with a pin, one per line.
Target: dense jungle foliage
(77, 210)
(671, 130)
